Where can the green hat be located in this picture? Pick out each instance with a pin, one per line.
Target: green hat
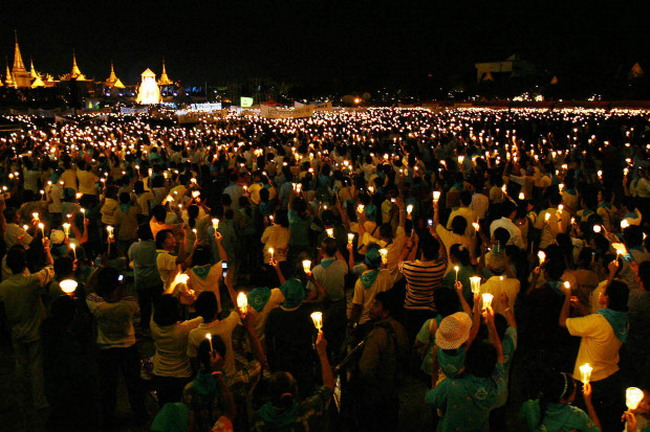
(173, 417)
(373, 258)
(294, 293)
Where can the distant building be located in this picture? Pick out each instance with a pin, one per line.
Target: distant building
(510, 67)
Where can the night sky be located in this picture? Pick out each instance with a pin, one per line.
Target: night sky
(353, 41)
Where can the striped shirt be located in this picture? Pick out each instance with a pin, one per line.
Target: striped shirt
(421, 281)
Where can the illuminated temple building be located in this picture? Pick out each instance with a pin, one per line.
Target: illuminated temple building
(18, 77)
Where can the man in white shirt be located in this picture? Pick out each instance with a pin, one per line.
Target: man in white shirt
(509, 212)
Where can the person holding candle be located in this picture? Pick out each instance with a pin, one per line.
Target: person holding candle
(552, 410)
(167, 262)
(465, 211)
(20, 295)
(14, 233)
(384, 353)
(330, 273)
(449, 238)
(171, 365)
(423, 277)
(394, 244)
(276, 236)
(556, 222)
(509, 213)
(602, 335)
(500, 284)
(204, 276)
(114, 312)
(466, 401)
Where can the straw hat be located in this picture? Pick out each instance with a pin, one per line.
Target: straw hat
(453, 331)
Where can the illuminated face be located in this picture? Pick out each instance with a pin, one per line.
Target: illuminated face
(170, 241)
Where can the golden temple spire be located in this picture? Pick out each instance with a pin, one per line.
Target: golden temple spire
(75, 69)
(18, 58)
(164, 79)
(32, 71)
(8, 79)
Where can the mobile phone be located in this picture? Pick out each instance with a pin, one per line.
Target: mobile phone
(224, 269)
(120, 278)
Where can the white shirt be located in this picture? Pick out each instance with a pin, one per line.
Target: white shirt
(515, 232)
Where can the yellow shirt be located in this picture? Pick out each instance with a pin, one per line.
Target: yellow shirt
(87, 180)
(69, 179)
(276, 237)
(364, 297)
(469, 215)
(599, 345)
(449, 239)
(274, 301)
(167, 267)
(394, 248)
(496, 287)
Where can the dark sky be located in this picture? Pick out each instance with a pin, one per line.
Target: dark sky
(387, 42)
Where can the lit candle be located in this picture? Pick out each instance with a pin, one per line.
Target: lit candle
(306, 265)
(456, 268)
(542, 257)
(624, 224)
(215, 224)
(384, 255)
(360, 208)
(476, 226)
(271, 250)
(83, 212)
(208, 336)
(487, 300)
(41, 226)
(547, 216)
(350, 238)
(330, 232)
(633, 397)
(242, 302)
(317, 318)
(35, 216)
(567, 285)
(475, 283)
(74, 250)
(68, 286)
(409, 209)
(585, 373)
(597, 229)
(436, 196)
(521, 196)
(66, 229)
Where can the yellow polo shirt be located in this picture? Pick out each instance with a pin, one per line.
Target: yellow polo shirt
(599, 345)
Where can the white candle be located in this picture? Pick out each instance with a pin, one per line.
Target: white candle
(215, 224)
(271, 250)
(208, 336)
(409, 209)
(317, 318)
(330, 232)
(68, 286)
(436, 196)
(66, 229)
(475, 283)
(633, 397)
(360, 208)
(242, 302)
(384, 255)
(41, 226)
(306, 265)
(585, 373)
(456, 268)
(350, 238)
(74, 250)
(487, 300)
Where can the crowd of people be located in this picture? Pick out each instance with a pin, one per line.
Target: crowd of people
(293, 274)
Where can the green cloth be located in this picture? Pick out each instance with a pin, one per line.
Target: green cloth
(173, 417)
(202, 271)
(369, 278)
(280, 419)
(258, 297)
(619, 322)
(294, 293)
(373, 258)
(558, 418)
(451, 361)
(298, 229)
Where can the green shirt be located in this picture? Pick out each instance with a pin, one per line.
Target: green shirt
(466, 401)
(558, 418)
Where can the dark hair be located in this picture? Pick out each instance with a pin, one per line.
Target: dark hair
(618, 295)
(144, 231)
(282, 387)
(203, 351)
(430, 247)
(161, 236)
(554, 266)
(16, 259)
(555, 387)
(507, 208)
(502, 236)
(166, 311)
(387, 300)
(461, 253)
(63, 266)
(446, 301)
(159, 213)
(458, 225)
(282, 218)
(107, 281)
(206, 305)
(481, 358)
(633, 236)
(63, 309)
(386, 230)
(201, 256)
(329, 246)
